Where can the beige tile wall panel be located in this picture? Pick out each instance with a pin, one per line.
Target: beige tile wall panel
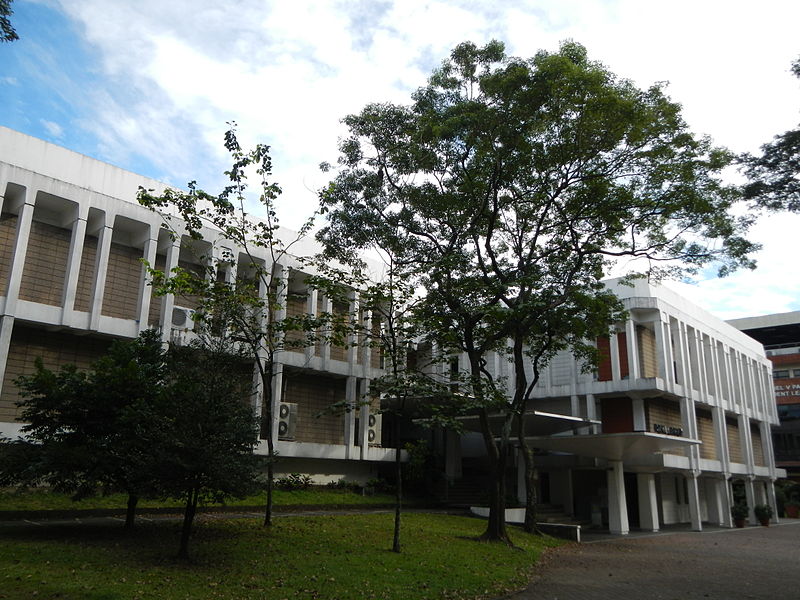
(45, 264)
(8, 231)
(55, 349)
(154, 312)
(758, 446)
(663, 412)
(338, 352)
(296, 305)
(189, 301)
(646, 343)
(375, 351)
(83, 293)
(320, 309)
(705, 431)
(734, 440)
(123, 275)
(313, 395)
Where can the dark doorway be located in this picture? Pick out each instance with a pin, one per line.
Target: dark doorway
(632, 499)
(544, 488)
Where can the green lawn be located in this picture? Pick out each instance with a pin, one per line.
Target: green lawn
(13, 500)
(336, 556)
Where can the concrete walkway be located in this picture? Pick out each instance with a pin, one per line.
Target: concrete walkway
(729, 564)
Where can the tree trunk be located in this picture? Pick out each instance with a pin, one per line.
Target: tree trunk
(398, 507)
(266, 433)
(496, 526)
(130, 513)
(530, 477)
(188, 519)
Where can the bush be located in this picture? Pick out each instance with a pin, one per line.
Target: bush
(739, 511)
(344, 484)
(763, 512)
(294, 481)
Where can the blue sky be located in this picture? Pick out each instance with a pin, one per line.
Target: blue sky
(149, 85)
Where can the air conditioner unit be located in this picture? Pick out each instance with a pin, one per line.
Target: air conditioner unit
(182, 318)
(287, 420)
(374, 430)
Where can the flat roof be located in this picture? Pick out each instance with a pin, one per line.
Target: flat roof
(771, 330)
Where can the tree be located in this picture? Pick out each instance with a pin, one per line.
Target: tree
(211, 427)
(254, 303)
(506, 189)
(99, 427)
(775, 174)
(7, 32)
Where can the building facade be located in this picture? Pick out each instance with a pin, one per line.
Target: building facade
(672, 425)
(671, 428)
(72, 240)
(780, 334)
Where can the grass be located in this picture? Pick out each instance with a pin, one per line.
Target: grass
(21, 500)
(326, 557)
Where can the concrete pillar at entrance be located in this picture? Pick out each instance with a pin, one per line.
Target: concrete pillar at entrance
(648, 502)
(771, 501)
(751, 501)
(694, 503)
(715, 501)
(617, 503)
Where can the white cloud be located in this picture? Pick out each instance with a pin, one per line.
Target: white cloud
(54, 129)
(287, 72)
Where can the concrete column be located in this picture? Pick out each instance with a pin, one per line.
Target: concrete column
(366, 351)
(145, 289)
(311, 309)
(100, 271)
(714, 501)
(325, 347)
(21, 239)
(613, 344)
(452, 455)
(694, 502)
(617, 503)
(771, 500)
(350, 391)
(639, 420)
(648, 501)
(352, 338)
(277, 397)
(633, 349)
(751, 500)
(574, 406)
(6, 327)
(363, 434)
(74, 264)
(721, 438)
(664, 350)
(168, 300)
(591, 412)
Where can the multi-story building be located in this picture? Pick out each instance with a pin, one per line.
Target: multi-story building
(72, 237)
(780, 334)
(673, 424)
(677, 415)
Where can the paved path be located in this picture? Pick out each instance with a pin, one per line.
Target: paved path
(729, 564)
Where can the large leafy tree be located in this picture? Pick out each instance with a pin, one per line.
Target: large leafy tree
(252, 307)
(212, 430)
(775, 174)
(506, 189)
(100, 427)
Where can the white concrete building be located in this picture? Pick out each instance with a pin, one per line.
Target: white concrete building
(679, 411)
(71, 238)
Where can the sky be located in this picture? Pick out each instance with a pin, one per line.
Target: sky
(150, 85)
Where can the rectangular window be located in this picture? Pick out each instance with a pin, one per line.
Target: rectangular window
(783, 374)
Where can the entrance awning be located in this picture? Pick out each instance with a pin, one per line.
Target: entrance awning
(537, 423)
(613, 446)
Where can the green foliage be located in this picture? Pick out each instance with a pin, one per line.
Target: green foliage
(774, 175)
(763, 512)
(505, 190)
(739, 511)
(7, 32)
(294, 481)
(95, 428)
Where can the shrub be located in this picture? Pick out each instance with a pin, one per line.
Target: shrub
(763, 512)
(294, 481)
(739, 511)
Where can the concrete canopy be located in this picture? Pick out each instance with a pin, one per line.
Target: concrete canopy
(537, 423)
(613, 446)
